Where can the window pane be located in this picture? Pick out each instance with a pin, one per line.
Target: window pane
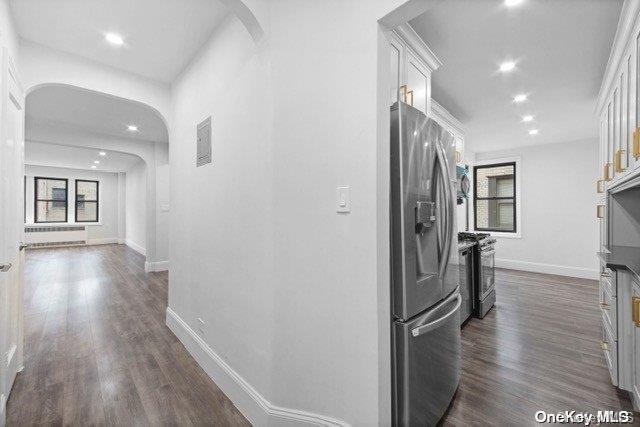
(87, 190)
(50, 212)
(52, 189)
(87, 211)
(495, 181)
(495, 214)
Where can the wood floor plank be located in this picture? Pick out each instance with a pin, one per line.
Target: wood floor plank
(98, 351)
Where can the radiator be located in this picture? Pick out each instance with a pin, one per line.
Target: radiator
(55, 235)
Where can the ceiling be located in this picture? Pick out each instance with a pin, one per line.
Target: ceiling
(43, 154)
(160, 37)
(560, 47)
(95, 112)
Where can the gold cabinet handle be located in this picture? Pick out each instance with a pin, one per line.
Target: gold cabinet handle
(617, 160)
(410, 93)
(600, 186)
(403, 89)
(604, 306)
(635, 311)
(607, 172)
(600, 211)
(604, 345)
(636, 143)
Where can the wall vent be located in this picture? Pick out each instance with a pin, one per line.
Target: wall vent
(53, 228)
(55, 235)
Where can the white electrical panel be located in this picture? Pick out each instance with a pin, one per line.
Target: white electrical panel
(204, 142)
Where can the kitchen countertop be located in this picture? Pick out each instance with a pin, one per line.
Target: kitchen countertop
(465, 244)
(622, 257)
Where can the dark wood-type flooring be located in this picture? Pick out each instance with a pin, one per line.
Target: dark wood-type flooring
(98, 351)
(537, 349)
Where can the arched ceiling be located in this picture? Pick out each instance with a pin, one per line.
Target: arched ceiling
(93, 111)
(43, 154)
(160, 37)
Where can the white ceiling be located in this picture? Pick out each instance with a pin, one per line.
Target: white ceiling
(160, 37)
(561, 48)
(95, 112)
(43, 154)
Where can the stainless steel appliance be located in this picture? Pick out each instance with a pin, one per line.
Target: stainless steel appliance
(466, 252)
(484, 266)
(486, 276)
(424, 264)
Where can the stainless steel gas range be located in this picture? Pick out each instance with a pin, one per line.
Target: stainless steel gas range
(484, 293)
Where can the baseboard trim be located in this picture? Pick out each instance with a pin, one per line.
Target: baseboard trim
(537, 267)
(142, 251)
(105, 241)
(255, 407)
(156, 266)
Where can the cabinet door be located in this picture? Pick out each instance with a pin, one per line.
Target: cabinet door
(609, 151)
(418, 81)
(616, 128)
(636, 350)
(624, 111)
(396, 59)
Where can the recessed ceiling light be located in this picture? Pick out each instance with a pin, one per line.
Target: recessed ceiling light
(114, 39)
(132, 128)
(97, 162)
(505, 67)
(520, 98)
(102, 153)
(533, 132)
(511, 3)
(528, 118)
(93, 167)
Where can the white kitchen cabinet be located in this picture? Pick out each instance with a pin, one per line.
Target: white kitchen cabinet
(411, 63)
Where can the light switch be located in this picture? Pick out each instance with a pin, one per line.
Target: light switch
(343, 199)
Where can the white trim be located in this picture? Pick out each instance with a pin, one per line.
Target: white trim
(136, 247)
(539, 267)
(103, 241)
(255, 407)
(446, 119)
(415, 42)
(627, 27)
(156, 266)
(518, 162)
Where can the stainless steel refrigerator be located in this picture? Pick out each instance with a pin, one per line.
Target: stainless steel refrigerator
(424, 268)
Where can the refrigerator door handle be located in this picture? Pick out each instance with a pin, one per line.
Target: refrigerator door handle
(434, 324)
(448, 210)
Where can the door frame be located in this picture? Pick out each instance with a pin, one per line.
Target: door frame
(13, 91)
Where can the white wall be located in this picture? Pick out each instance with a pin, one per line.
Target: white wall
(135, 218)
(287, 287)
(106, 231)
(558, 222)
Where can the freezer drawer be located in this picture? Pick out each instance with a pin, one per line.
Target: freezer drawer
(427, 363)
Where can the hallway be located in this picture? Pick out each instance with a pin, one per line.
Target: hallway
(98, 352)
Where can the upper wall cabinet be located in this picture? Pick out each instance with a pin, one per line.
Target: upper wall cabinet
(412, 63)
(617, 106)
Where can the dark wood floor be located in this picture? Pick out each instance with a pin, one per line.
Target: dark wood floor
(537, 349)
(98, 351)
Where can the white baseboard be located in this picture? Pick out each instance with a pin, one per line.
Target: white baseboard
(136, 247)
(537, 267)
(156, 266)
(255, 407)
(106, 241)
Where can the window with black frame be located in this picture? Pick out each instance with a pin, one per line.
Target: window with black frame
(50, 199)
(86, 200)
(494, 197)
